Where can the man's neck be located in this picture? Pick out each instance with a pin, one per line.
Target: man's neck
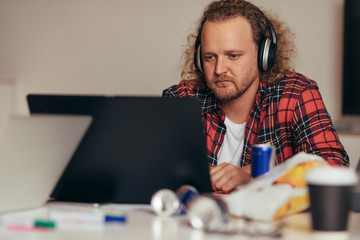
(238, 110)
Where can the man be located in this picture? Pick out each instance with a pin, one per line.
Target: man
(239, 68)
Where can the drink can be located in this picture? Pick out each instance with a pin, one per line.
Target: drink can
(186, 194)
(262, 157)
(166, 202)
(209, 213)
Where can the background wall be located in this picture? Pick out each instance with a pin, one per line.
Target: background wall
(130, 47)
(133, 47)
(93, 46)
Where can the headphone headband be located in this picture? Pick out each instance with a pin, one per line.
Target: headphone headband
(272, 30)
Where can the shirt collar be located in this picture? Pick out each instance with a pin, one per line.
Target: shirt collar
(209, 102)
(260, 96)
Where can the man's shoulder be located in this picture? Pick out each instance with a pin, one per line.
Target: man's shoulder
(291, 86)
(185, 88)
(296, 82)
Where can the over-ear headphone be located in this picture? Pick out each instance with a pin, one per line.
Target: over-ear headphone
(266, 53)
(267, 49)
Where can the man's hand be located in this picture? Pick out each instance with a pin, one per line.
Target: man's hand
(226, 177)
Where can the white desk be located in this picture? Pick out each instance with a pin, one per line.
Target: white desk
(143, 224)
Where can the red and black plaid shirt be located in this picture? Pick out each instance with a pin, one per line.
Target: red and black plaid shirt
(290, 115)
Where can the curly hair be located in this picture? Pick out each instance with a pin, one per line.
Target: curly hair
(223, 10)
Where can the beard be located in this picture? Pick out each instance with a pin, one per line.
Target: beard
(232, 89)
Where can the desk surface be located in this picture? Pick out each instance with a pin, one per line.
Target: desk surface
(143, 224)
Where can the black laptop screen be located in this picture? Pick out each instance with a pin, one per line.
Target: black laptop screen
(134, 147)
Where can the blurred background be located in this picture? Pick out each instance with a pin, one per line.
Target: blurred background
(125, 47)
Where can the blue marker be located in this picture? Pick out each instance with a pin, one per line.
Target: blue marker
(115, 218)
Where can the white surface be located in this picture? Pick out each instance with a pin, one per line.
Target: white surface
(143, 224)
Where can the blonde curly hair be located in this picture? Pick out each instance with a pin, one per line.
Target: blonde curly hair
(222, 10)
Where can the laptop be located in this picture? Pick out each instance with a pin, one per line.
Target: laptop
(34, 152)
(134, 147)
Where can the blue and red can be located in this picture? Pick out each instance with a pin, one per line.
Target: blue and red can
(261, 158)
(166, 202)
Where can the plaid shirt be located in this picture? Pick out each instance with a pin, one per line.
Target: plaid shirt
(289, 114)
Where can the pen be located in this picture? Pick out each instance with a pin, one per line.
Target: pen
(83, 217)
(25, 224)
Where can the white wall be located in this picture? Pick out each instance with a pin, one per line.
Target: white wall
(133, 47)
(93, 46)
(351, 143)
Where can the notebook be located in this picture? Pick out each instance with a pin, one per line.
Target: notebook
(34, 152)
(134, 147)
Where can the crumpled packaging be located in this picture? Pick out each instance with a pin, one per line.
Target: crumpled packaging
(280, 192)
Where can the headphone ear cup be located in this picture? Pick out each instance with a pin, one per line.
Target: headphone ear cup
(197, 59)
(266, 54)
(261, 55)
(272, 55)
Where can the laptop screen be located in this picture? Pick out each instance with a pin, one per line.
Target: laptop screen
(134, 147)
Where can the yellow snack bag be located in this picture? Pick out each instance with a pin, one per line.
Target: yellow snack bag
(295, 177)
(284, 188)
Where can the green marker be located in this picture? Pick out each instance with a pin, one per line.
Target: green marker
(44, 223)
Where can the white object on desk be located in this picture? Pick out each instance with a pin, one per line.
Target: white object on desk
(34, 151)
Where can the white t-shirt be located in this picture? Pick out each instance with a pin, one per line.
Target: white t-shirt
(233, 144)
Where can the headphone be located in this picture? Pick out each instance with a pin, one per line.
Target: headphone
(266, 53)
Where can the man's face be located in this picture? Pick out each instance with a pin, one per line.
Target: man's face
(229, 58)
